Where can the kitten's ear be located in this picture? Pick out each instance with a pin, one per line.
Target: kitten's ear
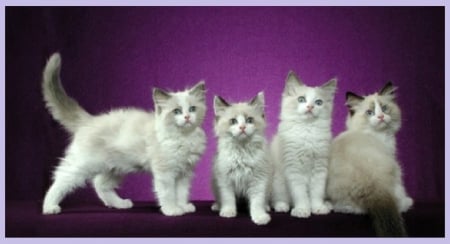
(292, 81)
(330, 85)
(220, 105)
(258, 102)
(159, 98)
(387, 89)
(352, 100)
(199, 90)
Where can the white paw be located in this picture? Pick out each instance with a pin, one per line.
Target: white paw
(51, 209)
(301, 212)
(188, 208)
(124, 204)
(321, 208)
(215, 207)
(172, 211)
(406, 204)
(281, 207)
(267, 207)
(261, 218)
(228, 212)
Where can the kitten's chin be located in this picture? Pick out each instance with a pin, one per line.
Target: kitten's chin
(186, 127)
(242, 137)
(309, 116)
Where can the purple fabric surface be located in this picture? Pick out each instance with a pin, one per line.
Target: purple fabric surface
(23, 219)
(112, 57)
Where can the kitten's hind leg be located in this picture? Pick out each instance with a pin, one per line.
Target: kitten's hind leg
(67, 178)
(104, 185)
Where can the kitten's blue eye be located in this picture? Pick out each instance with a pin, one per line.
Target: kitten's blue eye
(249, 120)
(233, 121)
(384, 108)
(177, 111)
(301, 99)
(369, 112)
(192, 109)
(319, 102)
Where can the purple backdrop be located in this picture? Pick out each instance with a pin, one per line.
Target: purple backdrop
(112, 57)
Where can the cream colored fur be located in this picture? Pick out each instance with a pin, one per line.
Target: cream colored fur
(364, 173)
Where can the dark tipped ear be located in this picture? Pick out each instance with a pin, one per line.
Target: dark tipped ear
(330, 85)
(258, 102)
(159, 98)
(199, 90)
(292, 81)
(220, 105)
(387, 89)
(352, 100)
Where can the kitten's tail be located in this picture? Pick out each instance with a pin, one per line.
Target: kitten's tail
(62, 107)
(386, 218)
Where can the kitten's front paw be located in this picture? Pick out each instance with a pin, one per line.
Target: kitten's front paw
(172, 211)
(188, 208)
(51, 209)
(406, 204)
(281, 207)
(261, 218)
(215, 207)
(321, 208)
(301, 212)
(228, 212)
(123, 204)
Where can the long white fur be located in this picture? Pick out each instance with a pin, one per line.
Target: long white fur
(300, 149)
(241, 167)
(108, 146)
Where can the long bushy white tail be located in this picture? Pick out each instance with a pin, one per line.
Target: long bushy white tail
(63, 108)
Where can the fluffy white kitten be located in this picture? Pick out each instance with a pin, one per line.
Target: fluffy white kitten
(364, 175)
(241, 167)
(300, 149)
(105, 147)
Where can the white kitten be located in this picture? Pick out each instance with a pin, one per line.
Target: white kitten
(364, 175)
(105, 147)
(300, 148)
(241, 167)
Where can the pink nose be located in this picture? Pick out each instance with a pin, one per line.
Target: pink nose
(309, 107)
(242, 127)
(381, 116)
(187, 117)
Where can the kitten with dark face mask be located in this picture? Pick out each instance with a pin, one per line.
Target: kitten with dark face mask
(364, 175)
(167, 143)
(241, 167)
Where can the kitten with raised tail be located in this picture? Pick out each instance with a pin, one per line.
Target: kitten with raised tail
(241, 168)
(364, 174)
(300, 149)
(104, 148)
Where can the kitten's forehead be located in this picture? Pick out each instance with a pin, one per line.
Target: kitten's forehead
(240, 108)
(182, 98)
(308, 91)
(376, 99)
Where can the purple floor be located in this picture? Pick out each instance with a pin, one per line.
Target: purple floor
(23, 219)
